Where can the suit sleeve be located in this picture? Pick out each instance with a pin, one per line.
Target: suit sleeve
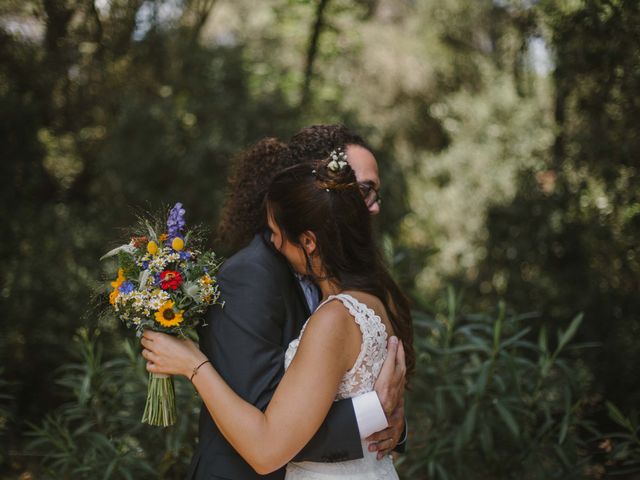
(245, 342)
(401, 447)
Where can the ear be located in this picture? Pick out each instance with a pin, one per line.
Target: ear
(308, 242)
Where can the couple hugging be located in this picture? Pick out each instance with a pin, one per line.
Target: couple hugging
(302, 372)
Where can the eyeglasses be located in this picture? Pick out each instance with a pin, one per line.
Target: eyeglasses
(370, 194)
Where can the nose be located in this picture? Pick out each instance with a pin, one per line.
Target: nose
(374, 209)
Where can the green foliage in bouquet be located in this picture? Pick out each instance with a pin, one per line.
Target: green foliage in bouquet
(96, 434)
(487, 402)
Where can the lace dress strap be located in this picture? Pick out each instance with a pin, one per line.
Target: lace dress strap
(361, 377)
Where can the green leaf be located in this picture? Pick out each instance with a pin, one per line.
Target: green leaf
(617, 416)
(562, 456)
(122, 248)
(109, 471)
(497, 327)
(513, 339)
(442, 473)
(507, 417)
(571, 331)
(469, 424)
(144, 276)
(542, 339)
(481, 382)
(486, 439)
(564, 428)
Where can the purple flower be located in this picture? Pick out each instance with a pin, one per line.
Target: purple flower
(175, 222)
(145, 265)
(156, 280)
(185, 255)
(126, 287)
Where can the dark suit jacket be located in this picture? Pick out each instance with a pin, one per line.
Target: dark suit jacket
(246, 341)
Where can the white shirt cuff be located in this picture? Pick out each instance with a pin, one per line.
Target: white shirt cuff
(369, 414)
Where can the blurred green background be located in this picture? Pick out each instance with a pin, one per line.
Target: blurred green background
(507, 134)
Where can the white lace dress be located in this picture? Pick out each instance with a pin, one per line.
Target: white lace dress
(360, 379)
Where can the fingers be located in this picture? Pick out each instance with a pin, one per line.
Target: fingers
(392, 346)
(387, 376)
(149, 355)
(388, 366)
(400, 359)
(383, 453)
(151, 335)
(148, 335)
(383, 447)
(381, 435)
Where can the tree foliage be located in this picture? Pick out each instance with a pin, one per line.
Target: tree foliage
(508, 148)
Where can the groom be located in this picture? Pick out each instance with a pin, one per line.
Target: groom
(266, 306)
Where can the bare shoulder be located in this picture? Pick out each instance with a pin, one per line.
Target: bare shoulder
(332, 316)
(331, 337)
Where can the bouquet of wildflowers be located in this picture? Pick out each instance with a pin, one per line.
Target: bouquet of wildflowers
(165, 283)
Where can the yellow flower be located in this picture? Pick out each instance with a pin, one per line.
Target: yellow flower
(115, 284)
(167, 317)
(206, 280)
(163, 237)
(177, 244)
(152, 247)
(112, 296)
(118, 281)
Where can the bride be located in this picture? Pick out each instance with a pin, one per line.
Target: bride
(320, 223)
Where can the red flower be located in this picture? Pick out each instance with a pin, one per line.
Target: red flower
(139, 241)
(170, 279)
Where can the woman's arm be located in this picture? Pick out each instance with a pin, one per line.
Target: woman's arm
(327, 349)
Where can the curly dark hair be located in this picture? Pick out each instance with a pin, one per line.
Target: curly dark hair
(317, 141)
(254, 168)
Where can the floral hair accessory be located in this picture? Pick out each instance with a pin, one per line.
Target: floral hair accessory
(338, 160)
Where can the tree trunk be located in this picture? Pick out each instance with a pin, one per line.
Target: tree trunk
(312, 51)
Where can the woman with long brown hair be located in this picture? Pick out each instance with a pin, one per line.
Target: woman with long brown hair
(320, 223)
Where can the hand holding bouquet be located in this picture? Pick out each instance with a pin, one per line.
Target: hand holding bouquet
(165, 283)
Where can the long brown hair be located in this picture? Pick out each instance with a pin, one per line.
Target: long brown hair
(313, 197)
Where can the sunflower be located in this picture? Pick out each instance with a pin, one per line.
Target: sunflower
(167, 317)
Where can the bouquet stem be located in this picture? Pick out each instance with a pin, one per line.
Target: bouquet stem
(160, 409)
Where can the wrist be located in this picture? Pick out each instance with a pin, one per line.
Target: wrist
(384, 401)
(195, 358)
(197, 366)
